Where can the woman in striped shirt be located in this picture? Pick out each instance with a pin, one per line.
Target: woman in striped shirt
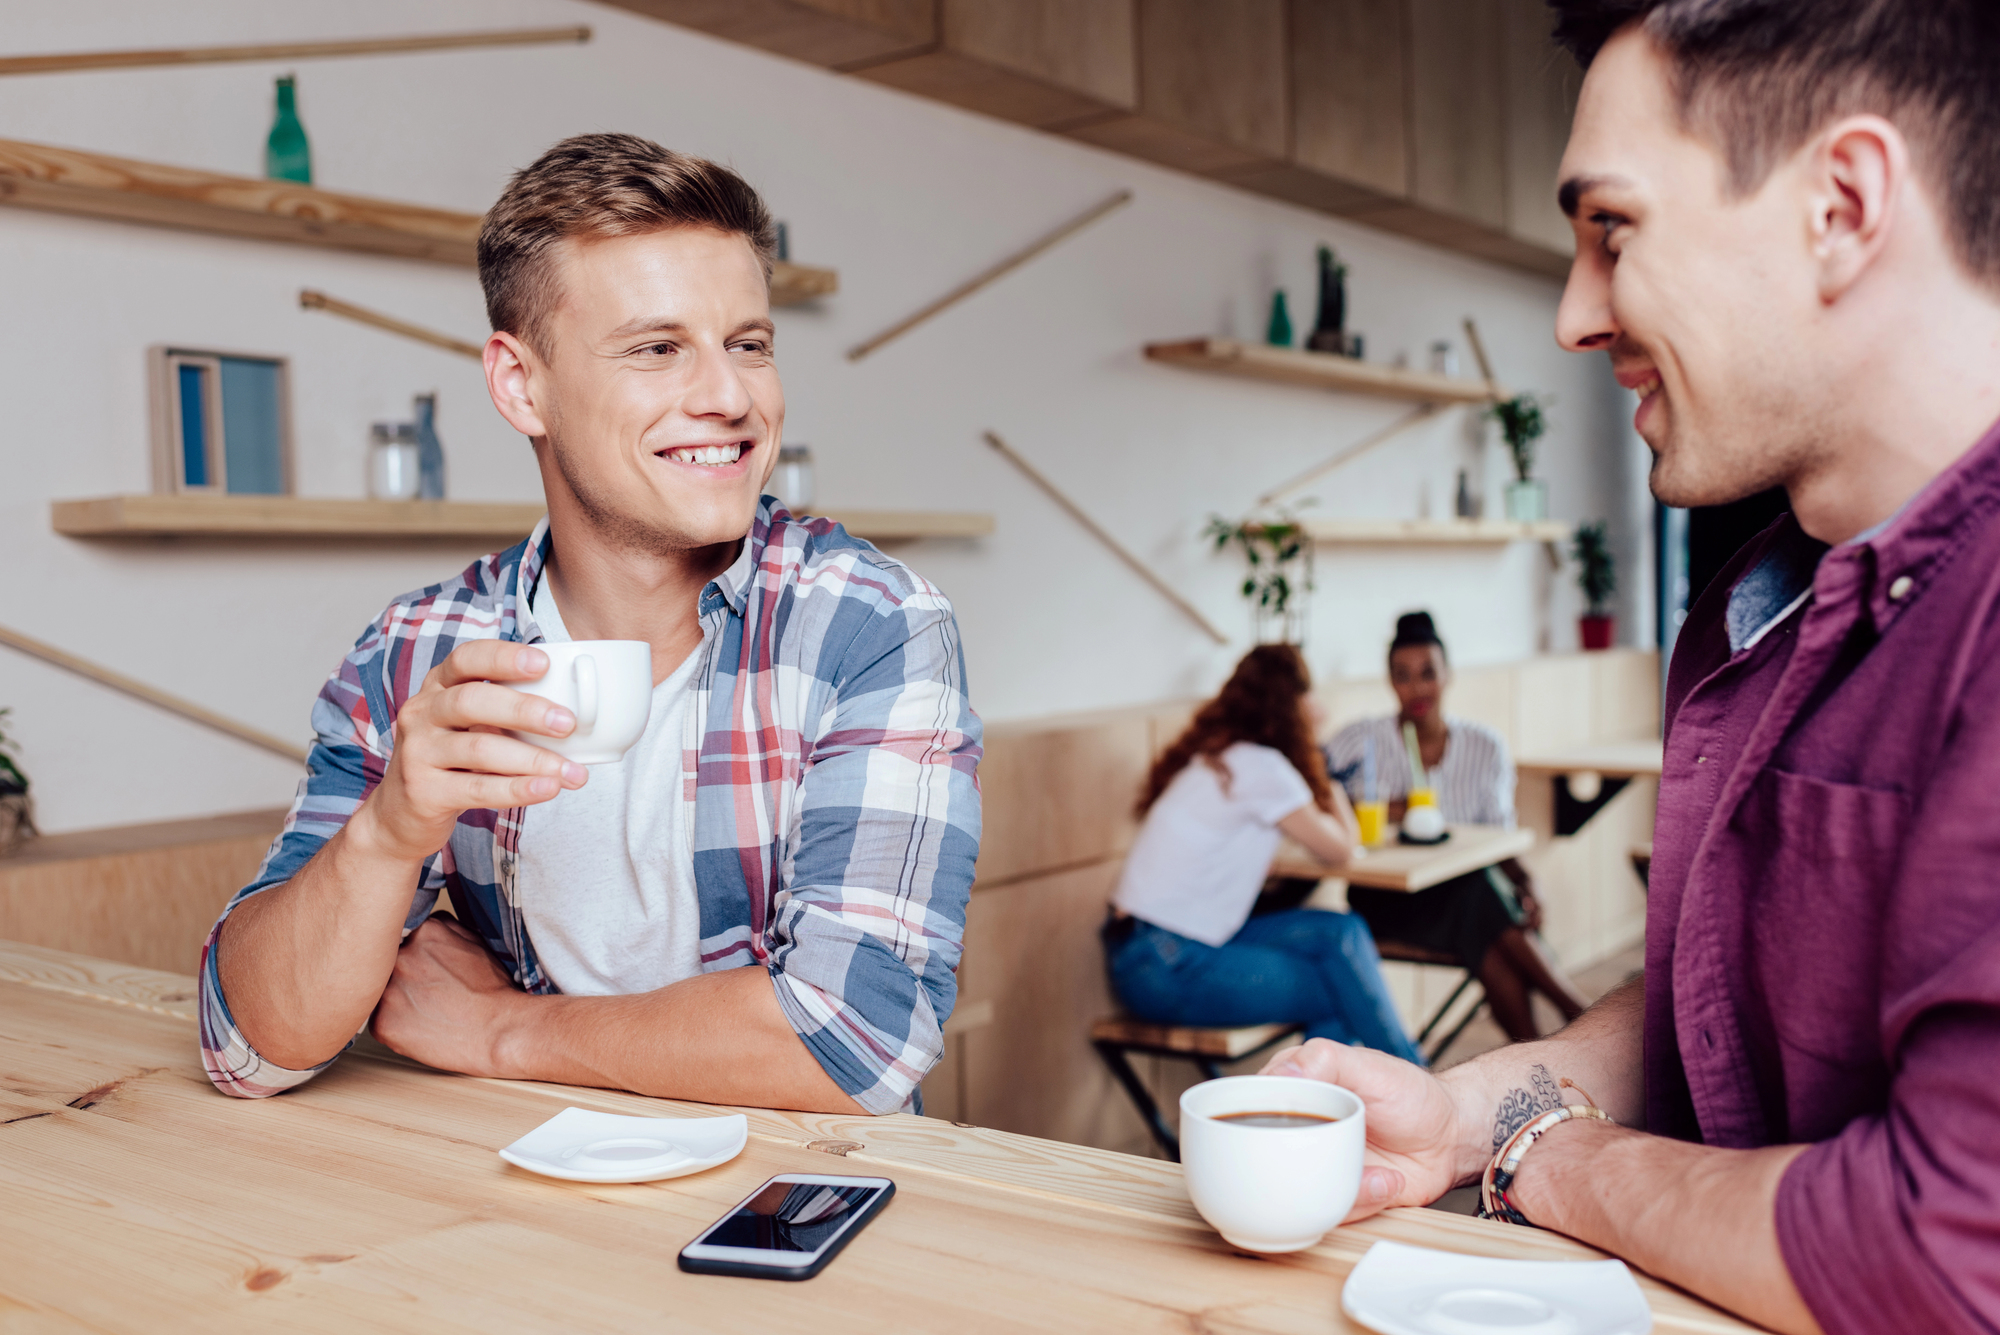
(1486, 920)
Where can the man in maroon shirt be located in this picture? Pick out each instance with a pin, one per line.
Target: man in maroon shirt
(1787, 216)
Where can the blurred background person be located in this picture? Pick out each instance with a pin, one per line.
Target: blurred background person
(1488, 919)
(1181, 942)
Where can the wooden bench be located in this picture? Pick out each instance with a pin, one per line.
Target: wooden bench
(1206, 1048)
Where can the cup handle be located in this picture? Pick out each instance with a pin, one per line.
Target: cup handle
(586, 693)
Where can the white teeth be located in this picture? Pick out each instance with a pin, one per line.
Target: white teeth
(707, 454)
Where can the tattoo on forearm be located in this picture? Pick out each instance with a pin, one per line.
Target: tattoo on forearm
(1520, 1106)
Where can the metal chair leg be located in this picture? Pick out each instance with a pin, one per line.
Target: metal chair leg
(1437, 1016)
(1457, 1029)
(1142, 1098)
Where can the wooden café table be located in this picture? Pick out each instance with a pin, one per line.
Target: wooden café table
(133, 1197)
(1394, 866)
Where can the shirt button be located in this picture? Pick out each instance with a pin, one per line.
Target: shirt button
(1899, 588)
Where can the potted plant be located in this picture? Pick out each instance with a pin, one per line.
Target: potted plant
(17, 809)
(1597, 576)
(1279, 556)
(1522, 423)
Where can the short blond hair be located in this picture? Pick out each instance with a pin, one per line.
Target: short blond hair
(601, 185)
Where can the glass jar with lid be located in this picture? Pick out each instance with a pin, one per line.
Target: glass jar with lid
(792, 481)
(394, 473)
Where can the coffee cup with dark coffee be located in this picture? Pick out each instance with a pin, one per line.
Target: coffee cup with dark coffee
(1272, 1161)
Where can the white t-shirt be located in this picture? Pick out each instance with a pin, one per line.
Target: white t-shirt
(1206, 846)
(605, 877)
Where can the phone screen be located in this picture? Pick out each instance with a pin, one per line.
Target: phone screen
(791, 1217)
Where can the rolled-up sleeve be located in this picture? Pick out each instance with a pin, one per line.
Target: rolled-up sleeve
(343, 766)
(868, 933)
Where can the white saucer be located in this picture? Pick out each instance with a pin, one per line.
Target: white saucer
(579, 1145)
(1401, 1290)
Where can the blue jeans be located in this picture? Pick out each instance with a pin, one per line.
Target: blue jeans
(1306, 966)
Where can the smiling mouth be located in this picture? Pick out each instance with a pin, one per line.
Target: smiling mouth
(707, 456)
(1647, 389)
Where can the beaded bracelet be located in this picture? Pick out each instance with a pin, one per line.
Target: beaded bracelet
(1494, 1202)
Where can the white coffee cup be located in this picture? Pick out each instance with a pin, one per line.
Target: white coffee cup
(1272, 1189)
(607, 684)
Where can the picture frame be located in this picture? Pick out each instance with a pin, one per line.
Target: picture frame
(221, 422)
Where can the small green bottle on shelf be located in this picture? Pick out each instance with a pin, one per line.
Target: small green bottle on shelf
(1278, 333)
(287, 156)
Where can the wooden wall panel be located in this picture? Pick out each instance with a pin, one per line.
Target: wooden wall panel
(1458, 108)
(1034, 955)
(1059, 792)
(1553, 702)
(1542, 83)
(912, 20)
(1086, 46)
(1217, 67)
(822, 32)
(976, 85)
(1624, 695)
(144, 895)
(1349, 91)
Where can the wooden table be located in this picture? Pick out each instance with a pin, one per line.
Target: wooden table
(136, 1198)
(1612, 765)
(1396, 866)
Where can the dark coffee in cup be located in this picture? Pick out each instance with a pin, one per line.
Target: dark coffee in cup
(1280, 1120)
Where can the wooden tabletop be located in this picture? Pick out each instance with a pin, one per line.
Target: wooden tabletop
(139, 1199)
(1396, 866)
(1613, 760)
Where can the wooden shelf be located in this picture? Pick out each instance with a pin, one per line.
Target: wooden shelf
(1430, 532)
(197, 516)
(93, 185)
(1318, 370)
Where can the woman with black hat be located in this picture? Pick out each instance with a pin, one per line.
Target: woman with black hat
(1487, 920)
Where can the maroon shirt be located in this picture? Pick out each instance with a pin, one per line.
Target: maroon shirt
(1823, 937)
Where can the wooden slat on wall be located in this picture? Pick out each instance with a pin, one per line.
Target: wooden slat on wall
(1348, 91)
(824, 32)
(1059, 792)
(1458, 108)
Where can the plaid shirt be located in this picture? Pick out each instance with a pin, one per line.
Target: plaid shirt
(830, 753)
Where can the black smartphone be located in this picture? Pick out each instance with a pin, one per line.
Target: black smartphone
(789, 1228)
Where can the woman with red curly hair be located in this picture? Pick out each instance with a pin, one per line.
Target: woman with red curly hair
(1182, 944)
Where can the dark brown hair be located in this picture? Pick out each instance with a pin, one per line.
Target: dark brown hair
(1760, 77)
(1263, 702)
(601, 185)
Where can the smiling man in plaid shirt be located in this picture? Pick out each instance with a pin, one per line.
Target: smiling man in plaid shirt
(764, 902)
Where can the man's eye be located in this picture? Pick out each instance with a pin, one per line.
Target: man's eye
(658, 349)
(1608, 224)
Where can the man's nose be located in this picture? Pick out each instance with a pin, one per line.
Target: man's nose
(1584, 322)
(717, 388)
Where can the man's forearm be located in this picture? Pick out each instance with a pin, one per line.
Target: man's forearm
(1601, 1052)
(1696, 1216)
(302, 964)
(715, 1038)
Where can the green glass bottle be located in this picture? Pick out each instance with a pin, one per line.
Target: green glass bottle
(1279, 332)
(287, 156)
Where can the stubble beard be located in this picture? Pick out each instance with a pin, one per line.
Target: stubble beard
(612, 523)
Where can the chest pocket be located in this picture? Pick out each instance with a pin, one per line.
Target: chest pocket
(1822, 860)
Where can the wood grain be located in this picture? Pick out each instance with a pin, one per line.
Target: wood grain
(1349, 91)
(1088, 47)
(1219, 70)
(1458, 134)
(372, 1199)
(1542, 82)
(1058, 792)
(1432, 532)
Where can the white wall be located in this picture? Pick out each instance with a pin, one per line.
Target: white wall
(904, 197)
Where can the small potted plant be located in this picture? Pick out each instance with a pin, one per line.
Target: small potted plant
(1522, 423)
(1597, 576)
(17, 809)
(1279, 555)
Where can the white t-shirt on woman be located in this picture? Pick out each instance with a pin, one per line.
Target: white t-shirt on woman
(1206, 846)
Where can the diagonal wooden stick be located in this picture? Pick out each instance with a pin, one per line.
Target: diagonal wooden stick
(320, 301)
(1012, 262)
(1138, 567)
(139, 690)
(1421, 412)
(207, 55)
(1479, 355)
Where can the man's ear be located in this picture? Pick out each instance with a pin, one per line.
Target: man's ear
(1857, 172)
(513, 375)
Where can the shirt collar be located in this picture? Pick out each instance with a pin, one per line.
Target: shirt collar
(729, 589)
(1775, 588)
